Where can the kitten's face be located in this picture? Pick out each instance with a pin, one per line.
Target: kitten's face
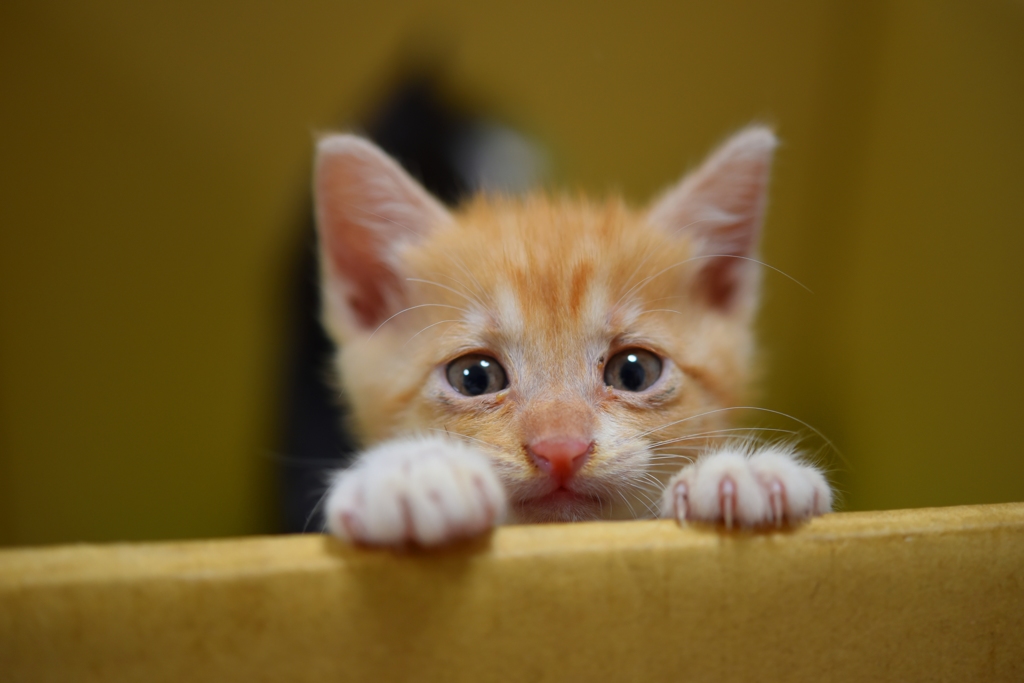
(567, 339)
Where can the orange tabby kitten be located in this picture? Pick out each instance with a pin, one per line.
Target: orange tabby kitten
(546, 359)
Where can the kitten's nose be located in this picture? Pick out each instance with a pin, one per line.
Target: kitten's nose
(561, 458)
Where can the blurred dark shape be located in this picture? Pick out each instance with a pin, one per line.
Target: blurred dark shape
(452, 153)
(424, 134)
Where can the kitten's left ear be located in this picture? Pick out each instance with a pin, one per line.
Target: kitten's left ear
(367, 209)
(721, 207)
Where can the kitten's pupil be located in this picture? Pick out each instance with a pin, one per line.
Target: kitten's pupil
(475, 379)
(632, 373)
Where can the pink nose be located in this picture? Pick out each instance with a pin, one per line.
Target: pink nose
(561, 458)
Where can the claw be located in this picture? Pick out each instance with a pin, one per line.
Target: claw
(727, 495)
(775, 496)
(492, 514)
(407, 521)
(681, 506)
(350, 524)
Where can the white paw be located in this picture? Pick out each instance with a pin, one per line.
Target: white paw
(425, 490)
(736, 487)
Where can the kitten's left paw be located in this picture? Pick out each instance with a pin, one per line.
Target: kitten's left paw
(736, 488)
(422, 490)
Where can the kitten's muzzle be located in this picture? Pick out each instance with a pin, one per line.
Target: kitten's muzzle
(560, 458)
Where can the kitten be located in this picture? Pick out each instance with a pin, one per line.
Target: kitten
(543, 358)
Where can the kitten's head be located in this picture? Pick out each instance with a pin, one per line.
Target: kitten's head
(585, 347)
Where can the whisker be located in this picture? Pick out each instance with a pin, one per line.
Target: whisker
(659, 310)
(759, 409)
(404, 310)
(680, 460)
(669, 458)
(671, 424)
(652, 252)
(649, 477)
(643, 283)
(465, 436)
(427, 328)
(481, 296)
(316, 508)
(625, 500)
(715, 432)
(760, 263)
(706, 413)
(650, 504)
(648, 279)
(458, 262)
(643, 498)
(649, 497)
(450, 289)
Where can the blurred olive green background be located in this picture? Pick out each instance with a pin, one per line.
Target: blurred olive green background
(154, 158)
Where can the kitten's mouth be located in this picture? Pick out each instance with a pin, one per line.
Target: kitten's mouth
(560, 505)
(562, 495)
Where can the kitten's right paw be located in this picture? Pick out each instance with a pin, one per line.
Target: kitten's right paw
(427, 490)
(734, 487)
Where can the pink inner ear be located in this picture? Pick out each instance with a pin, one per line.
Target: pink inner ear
(721, 206)
(733, 239)
(366, 207)
(354, 251)
(718, 282)
(373, 282)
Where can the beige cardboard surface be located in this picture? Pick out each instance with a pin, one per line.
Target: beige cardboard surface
(932, 594)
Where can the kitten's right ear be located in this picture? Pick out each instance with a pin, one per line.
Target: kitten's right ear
(720, 206)
(367, 209)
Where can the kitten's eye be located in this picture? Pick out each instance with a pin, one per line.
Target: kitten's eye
(632, 370)
(474, 374)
